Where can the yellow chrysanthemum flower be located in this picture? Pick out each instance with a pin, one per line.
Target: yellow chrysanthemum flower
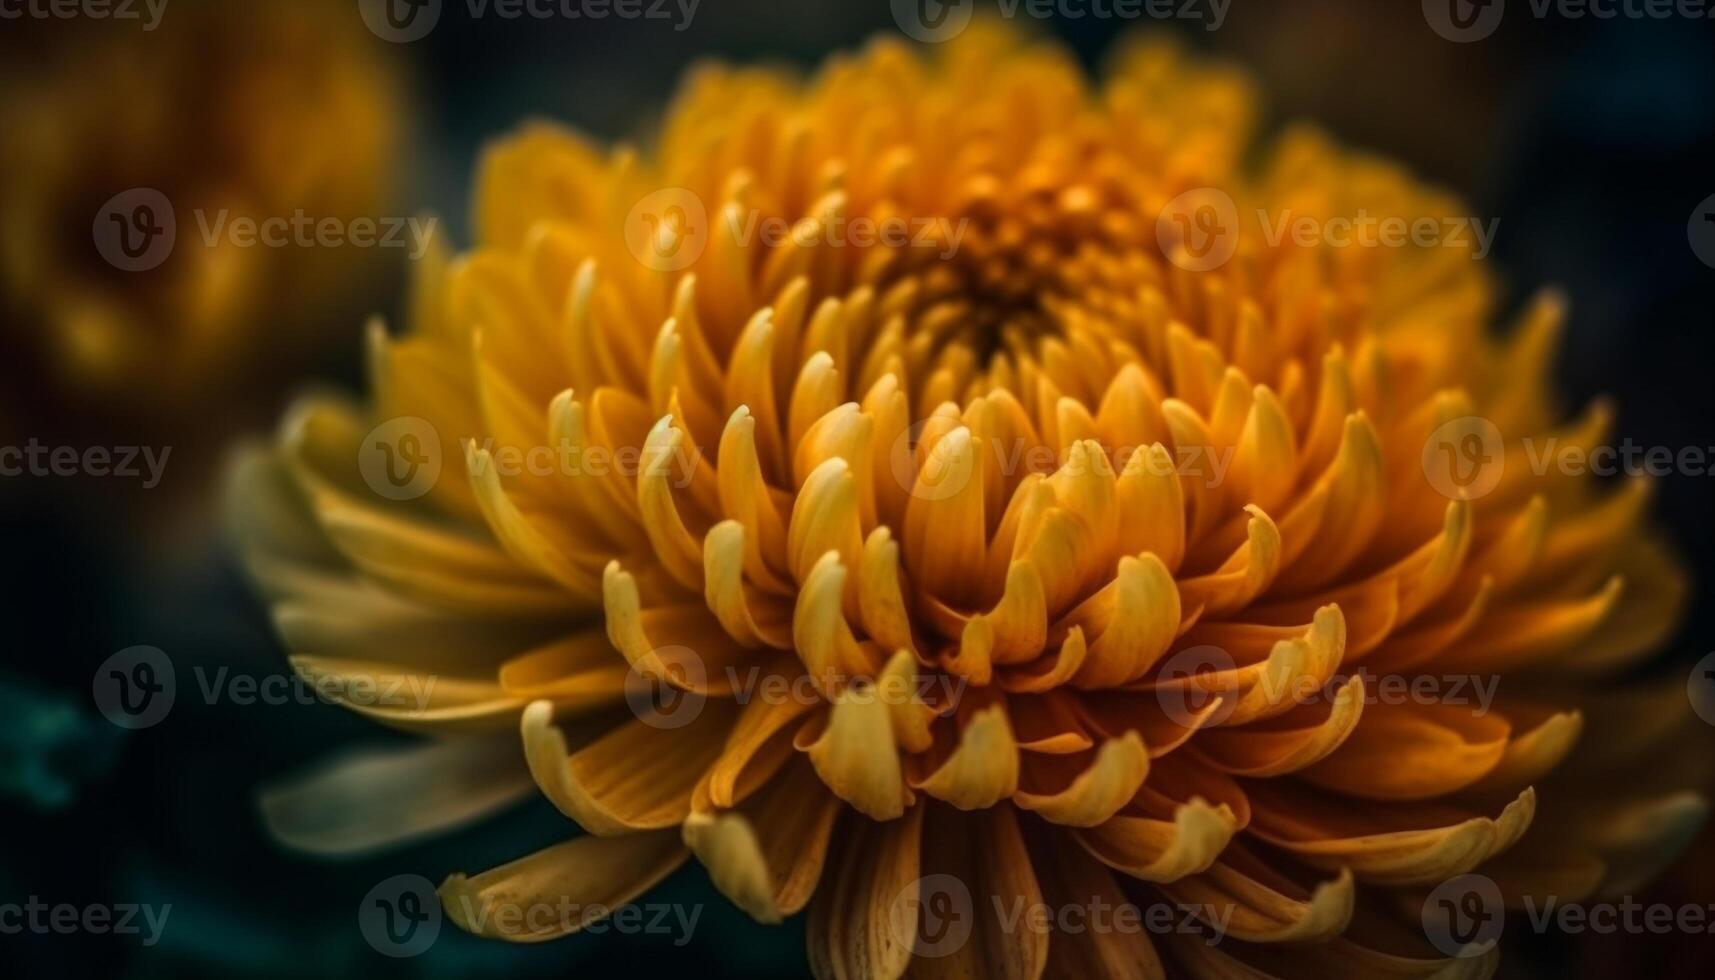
(1054, 525)
(218, 113)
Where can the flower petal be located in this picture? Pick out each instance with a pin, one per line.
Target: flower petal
(634, 777)
(768, 856)
(1115, 773)
(858, 927)
(548, 894)
(1163, 850)
(370, 800)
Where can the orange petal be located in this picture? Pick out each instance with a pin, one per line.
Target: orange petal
(508, 902)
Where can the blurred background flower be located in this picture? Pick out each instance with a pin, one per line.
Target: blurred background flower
(119, 136)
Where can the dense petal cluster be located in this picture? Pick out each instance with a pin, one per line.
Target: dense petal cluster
(1081, 533)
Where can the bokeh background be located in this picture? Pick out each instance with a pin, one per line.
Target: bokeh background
(1590, 140)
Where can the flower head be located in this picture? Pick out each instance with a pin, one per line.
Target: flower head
(1082, 522)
